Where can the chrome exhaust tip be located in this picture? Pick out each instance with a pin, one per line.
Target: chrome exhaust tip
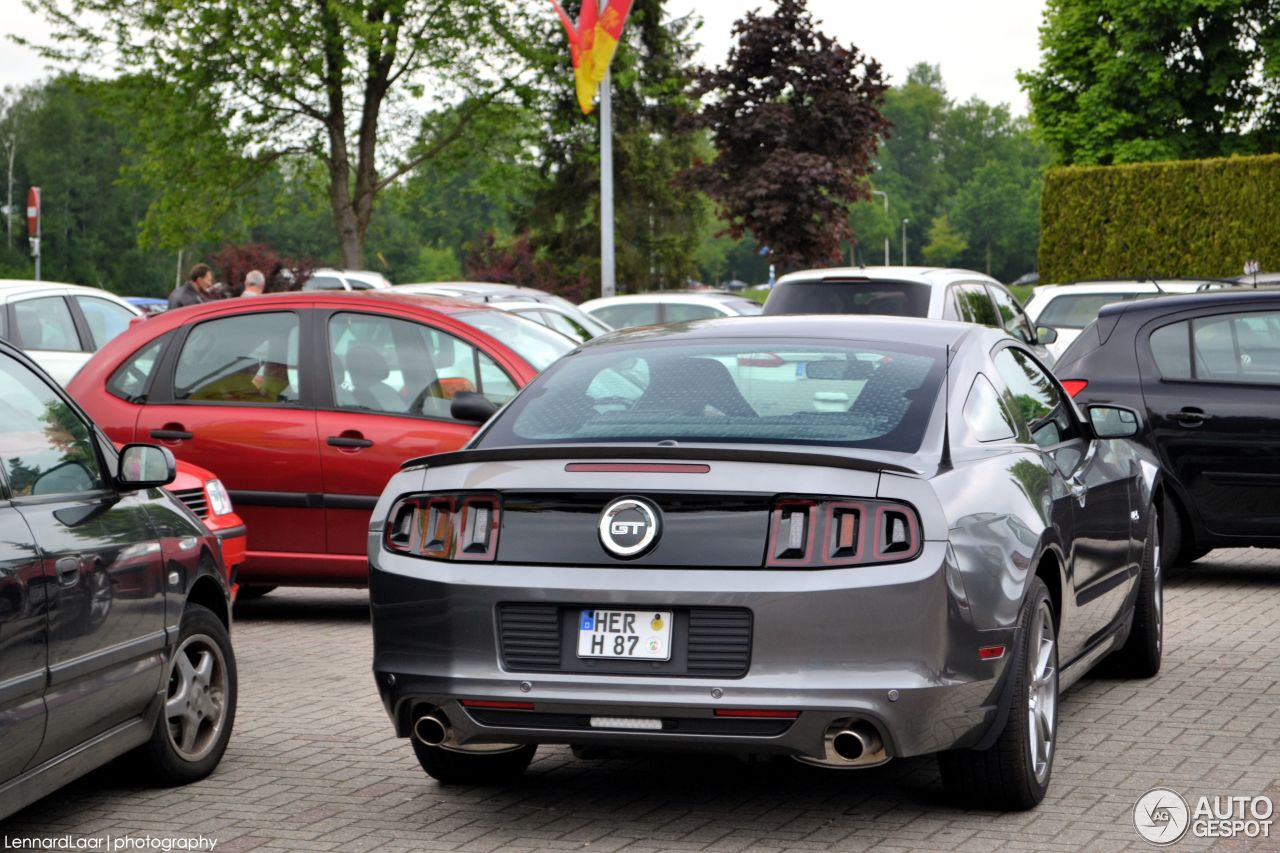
(850, 744)
(431, 729)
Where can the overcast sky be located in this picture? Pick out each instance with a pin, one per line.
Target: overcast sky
(980, 44)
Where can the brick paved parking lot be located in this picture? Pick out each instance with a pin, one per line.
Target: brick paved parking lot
(313, 765)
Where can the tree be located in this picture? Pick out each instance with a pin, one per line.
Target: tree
(225, 89)
(1123, 81)
(795, 120)
(944, 245)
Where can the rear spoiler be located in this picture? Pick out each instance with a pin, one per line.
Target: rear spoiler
(754, 453)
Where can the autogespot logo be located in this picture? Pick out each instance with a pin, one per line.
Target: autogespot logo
(1161, 816)
(629, 527)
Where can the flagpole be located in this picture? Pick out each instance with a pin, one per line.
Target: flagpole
(608, 273)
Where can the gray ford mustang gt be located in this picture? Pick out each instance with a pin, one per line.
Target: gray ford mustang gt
(841, 539)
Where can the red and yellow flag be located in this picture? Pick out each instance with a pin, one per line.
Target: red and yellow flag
(592, 43)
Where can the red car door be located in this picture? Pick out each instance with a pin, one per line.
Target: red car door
(229, 401)
(389, 389)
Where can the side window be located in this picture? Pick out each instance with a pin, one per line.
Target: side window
(624, 315)
(495, 384)
(323, 282)
(1012, 318)
(975, 306)
(105, 318)
(1171, 348)
(985, 413)
(249, 358)
(1036, 399)
(950, 311)
(566, 326)
(675, 312)
(129, 382)
(46, 448)
(46, 324)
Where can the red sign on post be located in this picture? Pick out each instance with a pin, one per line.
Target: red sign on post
(33, 212)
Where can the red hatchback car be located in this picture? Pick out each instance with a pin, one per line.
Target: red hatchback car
(306, 403)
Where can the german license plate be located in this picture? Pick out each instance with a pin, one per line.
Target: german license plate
(640, 634)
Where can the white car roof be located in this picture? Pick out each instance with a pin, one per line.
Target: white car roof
(12, 287)
(935, 276)
(670, 296)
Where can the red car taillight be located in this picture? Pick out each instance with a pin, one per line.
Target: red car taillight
(817, 533)
(446, 527)
(1074, 386)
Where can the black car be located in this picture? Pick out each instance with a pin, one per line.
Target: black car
(114, 608)
(1205, 368)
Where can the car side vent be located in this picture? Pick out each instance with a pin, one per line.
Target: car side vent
(195, 500)
(719, 642)
(530, 636)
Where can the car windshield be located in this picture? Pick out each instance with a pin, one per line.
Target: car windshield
(843, 393)
(1077, 310)
(895, 298)
(536, 344)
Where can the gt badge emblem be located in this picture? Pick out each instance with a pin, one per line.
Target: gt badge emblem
(629, 527)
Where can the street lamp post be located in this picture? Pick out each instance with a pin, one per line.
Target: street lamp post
(886, 219)
(904, 241)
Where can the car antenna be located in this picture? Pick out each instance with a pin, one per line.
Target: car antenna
(945, 461)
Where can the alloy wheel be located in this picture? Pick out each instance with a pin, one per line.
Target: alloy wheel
(195, 709)
(1042, 692)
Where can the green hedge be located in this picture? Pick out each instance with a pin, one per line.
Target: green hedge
(1195, 218)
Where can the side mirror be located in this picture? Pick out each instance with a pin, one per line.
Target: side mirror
(1046, 334)
(1113, 422)
(145, 466)
(471, 407)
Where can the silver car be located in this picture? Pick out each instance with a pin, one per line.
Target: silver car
(840, 539)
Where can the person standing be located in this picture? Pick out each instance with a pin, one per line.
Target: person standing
(195, 290)
(254, 283)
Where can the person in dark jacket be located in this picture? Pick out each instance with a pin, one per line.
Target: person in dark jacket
(195, 290)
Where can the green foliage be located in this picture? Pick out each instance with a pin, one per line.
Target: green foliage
(973, 163)
(1124, 81)
(1173, 219)
(945, 245)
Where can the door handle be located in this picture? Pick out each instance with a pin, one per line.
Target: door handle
(171, 434)
(68, 569)
(1189, 417)
(347, 441)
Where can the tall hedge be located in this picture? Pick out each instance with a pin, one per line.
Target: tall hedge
(1195, 218)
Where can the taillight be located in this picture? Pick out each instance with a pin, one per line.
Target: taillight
(816, 533)
(1074, 386)
(446, 527)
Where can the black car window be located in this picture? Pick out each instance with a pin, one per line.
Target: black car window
(1221, 348)
(129, 382)
(624, 315)
(46, 324)
(985, 413)
(324, 282)
(893, 298)
(779, 391)
(975, 305)
(106, 319)
(47, 449)
(247, 358)
(1036, 399)
(1077, 310)
(1012, 318)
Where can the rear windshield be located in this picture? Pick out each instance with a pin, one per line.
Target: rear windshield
(844, 393)
(1077, 310)
(895, 298)
(533, 342)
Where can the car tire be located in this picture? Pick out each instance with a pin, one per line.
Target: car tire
(457, 767)
(1013, 774)
(249, 593)
(1175, 535)
(199, 709)
(1140, 656)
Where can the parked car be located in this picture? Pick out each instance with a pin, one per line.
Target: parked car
(305, 403)
(1068, 308)
(939, 294)
(114, 608)
(147, 304)
(579, 326)
(61, 325)
(489, 293)
(652, 546)
(331, 279)
(203, 493)
(1202, 370)
(668, 306)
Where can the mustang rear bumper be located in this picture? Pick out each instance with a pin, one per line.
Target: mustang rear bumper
(890, 645)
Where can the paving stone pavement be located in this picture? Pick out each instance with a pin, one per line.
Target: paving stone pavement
(313, 764)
